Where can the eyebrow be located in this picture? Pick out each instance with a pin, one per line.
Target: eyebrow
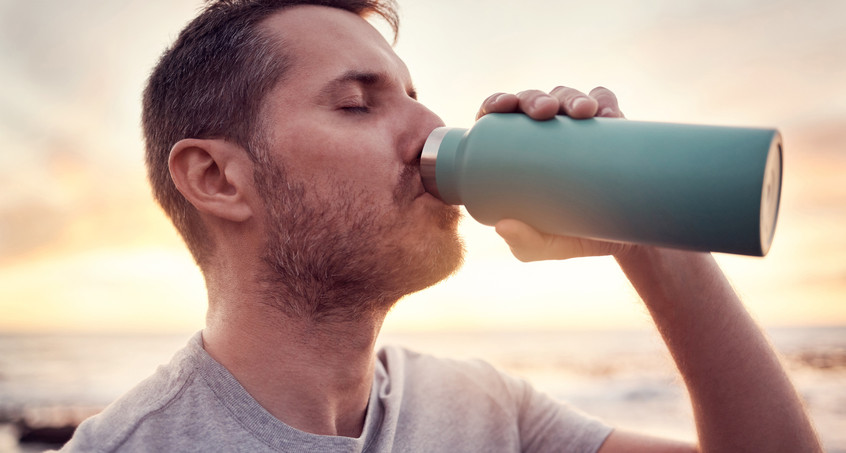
(363, 78)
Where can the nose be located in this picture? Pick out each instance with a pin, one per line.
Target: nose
(420, 123)
(428, 120)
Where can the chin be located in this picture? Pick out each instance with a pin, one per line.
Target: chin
(446, 216)
(440, 258)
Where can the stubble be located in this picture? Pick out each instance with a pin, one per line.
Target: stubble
(341, 258)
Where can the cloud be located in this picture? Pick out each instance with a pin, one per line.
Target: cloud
(69, 115)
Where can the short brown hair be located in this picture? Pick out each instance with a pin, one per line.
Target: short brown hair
(211, 83)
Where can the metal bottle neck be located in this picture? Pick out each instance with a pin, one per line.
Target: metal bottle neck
(429, 158)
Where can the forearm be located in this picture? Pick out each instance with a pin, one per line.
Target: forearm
(742, 398)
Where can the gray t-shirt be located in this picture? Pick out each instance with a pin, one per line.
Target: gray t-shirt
(418, 403)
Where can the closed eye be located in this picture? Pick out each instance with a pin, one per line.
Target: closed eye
(356, 109)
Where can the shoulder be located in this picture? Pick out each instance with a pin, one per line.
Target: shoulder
(425, 383)
(482, 400)
(150, 400)
(460, 375)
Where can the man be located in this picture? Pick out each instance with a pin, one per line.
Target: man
(283, 140)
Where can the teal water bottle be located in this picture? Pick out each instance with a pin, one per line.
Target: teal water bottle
(693, 187)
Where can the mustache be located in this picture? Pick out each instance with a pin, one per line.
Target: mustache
(407, 188)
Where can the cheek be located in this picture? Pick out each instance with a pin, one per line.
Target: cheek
(328, 159)
(356, 180)
(369, 171)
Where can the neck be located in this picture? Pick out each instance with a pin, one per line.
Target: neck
(315, 377)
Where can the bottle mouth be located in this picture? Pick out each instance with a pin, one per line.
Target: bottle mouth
(429, 159)
(771, 193)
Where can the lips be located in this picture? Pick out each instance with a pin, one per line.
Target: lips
(413, 164)
(418, 181)
(409, 185)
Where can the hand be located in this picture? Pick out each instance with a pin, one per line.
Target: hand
(560, 101)
(527, 243)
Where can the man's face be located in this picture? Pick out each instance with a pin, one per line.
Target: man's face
(347, 213)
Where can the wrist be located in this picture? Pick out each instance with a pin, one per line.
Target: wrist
(634, 253)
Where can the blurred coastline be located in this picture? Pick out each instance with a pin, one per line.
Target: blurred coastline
(49, 382)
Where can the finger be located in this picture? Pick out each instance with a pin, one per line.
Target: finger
(574, 103)
(498, 103)
(525, 242)
(537, 104)
(528, 244)
(607, 102)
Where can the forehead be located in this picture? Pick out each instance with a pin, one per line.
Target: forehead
(323, 42)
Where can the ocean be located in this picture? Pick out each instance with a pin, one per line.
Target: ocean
(624, 377)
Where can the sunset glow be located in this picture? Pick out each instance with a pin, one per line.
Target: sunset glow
(84, 248)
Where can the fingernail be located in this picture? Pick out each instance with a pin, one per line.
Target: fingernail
(540, 100)
(580, 101)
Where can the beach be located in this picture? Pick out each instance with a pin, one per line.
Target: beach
(49, 382)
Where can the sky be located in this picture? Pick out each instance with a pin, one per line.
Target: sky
(84, 248)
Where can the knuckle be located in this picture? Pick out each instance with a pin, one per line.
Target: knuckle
(602, 92)
(491, 99)
(495, 96)
(526, 94)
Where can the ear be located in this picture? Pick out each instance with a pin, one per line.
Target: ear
(214, 176)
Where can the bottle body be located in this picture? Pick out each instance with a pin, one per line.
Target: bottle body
(682, 186)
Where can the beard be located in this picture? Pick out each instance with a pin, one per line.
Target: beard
(343, 258)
